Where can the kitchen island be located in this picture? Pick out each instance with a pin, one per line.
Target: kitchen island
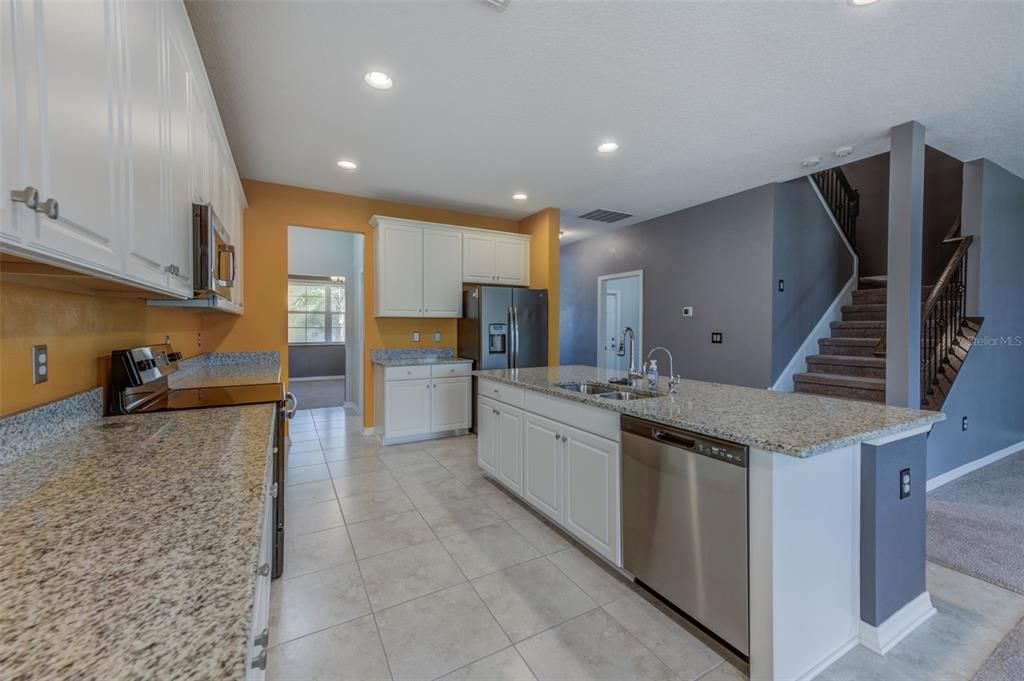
(560, 449)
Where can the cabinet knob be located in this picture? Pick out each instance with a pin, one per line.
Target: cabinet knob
(260, 661)
(264, 570)
(29, 196)
(50, 208)
(262, 639)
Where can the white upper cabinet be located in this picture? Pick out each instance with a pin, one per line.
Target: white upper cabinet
(106, 111)
(399, 256)
(495, 259)
(442, 265)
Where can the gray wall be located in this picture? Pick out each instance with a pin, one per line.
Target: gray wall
(716, 257)
(989, 388)
(942, 191)
(892, 533)
(306, 361)
(812, 258)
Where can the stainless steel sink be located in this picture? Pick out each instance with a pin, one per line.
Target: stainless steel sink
(585, 388)
(628, 396)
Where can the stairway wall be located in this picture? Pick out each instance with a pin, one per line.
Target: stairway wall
(989, 388)
(810, 255)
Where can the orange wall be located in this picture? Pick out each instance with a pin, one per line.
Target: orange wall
(79, 330)
(544, 227)
(272, 208)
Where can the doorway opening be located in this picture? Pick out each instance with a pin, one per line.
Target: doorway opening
(325, 319)
(620, 303)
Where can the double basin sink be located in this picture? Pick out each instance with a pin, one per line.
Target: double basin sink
(605, 392)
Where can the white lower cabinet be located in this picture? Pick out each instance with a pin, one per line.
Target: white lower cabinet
(569, 475)
(420, 402)
(256, 651)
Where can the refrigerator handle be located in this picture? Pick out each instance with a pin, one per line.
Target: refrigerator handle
(515, 331)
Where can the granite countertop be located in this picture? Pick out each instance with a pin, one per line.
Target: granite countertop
(129, 547)
(420, 361)
(221, 369)
(797, 424)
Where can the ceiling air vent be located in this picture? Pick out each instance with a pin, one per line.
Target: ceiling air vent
(605, 216)
(498, 4)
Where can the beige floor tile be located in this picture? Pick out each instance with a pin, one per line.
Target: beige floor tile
(347, 651)
(504, 665)
(316, 601)
(676, 647)
(354, 485)
(332, 454)
(303, 447)
(375, 505)
(315, 551)
(462, 515)
(504, 505)
(424, 494)
(308, 493)
(312, 518)
(489, 549)
(540, 534)
(596, 580)
(436, 634)
(407, 448)
(305, 458)
(356, 465)
(423, 472)
(299, 435)
(457, 456)
(593, 646)
(408, 573)
(726, 672)
(531, 597)
(466, 469)
(349, 443)
(479, 484)
(304, 474)
(373, 537)
(395, 461)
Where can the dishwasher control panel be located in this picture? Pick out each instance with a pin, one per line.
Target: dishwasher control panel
(729, 452)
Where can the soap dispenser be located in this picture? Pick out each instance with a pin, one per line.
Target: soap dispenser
(652, 374)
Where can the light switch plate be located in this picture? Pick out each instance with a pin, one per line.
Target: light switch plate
(687, 311)
(716, 336)
(40, 364)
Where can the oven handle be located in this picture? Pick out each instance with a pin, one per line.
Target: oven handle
(291, 404)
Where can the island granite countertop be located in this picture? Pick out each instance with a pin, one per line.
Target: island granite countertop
(796, 424)
(129, 547)
(219, 369)
(421, 361)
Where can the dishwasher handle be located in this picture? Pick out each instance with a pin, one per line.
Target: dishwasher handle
(674, 440)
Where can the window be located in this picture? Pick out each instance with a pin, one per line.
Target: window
(316, 310)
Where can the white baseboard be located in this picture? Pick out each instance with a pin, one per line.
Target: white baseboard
(885, 636)
(822, 329)
(314, 378)
(353, 406)
(970, 466)
(829, 660)
(368, 431)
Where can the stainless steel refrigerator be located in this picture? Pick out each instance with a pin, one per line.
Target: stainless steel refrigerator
(503, 328)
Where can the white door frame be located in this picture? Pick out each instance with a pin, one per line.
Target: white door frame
(601, 280)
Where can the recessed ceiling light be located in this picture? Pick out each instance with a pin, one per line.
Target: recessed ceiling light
(810, 162)
(520, 196)
(378, 80)
(347, 165)
(607, 147)
(862, 3)
(842, 152)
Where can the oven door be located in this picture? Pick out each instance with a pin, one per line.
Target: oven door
(285, 410)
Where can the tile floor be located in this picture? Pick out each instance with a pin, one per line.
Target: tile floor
(406, 563)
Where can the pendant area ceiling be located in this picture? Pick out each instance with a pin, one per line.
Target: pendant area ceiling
(704, 98)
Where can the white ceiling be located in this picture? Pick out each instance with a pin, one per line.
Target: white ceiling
(705, 98)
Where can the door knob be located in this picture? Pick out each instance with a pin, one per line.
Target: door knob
(29, 196)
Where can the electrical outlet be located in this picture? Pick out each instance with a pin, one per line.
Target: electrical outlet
(199, 339)
(437, 336)
(40, 364)
(963, 424)
(716, 336)
(167, 340)
(904, 483)
(687, 311)
(782, 285)
(415, 336)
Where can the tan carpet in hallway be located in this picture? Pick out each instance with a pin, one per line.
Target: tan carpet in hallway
(327, 392)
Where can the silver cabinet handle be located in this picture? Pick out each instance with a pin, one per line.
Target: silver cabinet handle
(260, 661)
(262, 639)
(50, 208)
(264, 570)
(29, 196)
(291, 404)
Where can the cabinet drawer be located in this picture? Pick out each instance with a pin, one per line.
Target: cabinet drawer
(591, 419)
(408, 373)
(451, 370)
(502, 392)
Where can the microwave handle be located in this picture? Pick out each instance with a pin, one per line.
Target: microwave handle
(230, 250)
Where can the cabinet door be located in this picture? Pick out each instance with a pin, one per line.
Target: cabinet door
(592, 491)
(511, 261)
(510, 447)
(442, 273)
(406, 408)
(478, 258)
(72, 123)
(146, 213)
(487, 435)
(542, 465)
(12, 93)
(399, 271)
(179, 163)
(449, 405)
(202, 145)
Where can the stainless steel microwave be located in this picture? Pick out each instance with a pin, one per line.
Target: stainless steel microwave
(213, 256)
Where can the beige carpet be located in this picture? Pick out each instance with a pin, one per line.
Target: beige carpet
(327, 392)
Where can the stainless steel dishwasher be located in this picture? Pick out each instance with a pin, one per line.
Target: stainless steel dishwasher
(684, 524)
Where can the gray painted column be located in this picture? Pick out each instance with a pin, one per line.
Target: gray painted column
(903, 306)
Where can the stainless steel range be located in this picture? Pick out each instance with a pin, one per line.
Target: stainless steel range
(138, 385)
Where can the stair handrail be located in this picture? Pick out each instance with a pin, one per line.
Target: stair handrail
(842, 199)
